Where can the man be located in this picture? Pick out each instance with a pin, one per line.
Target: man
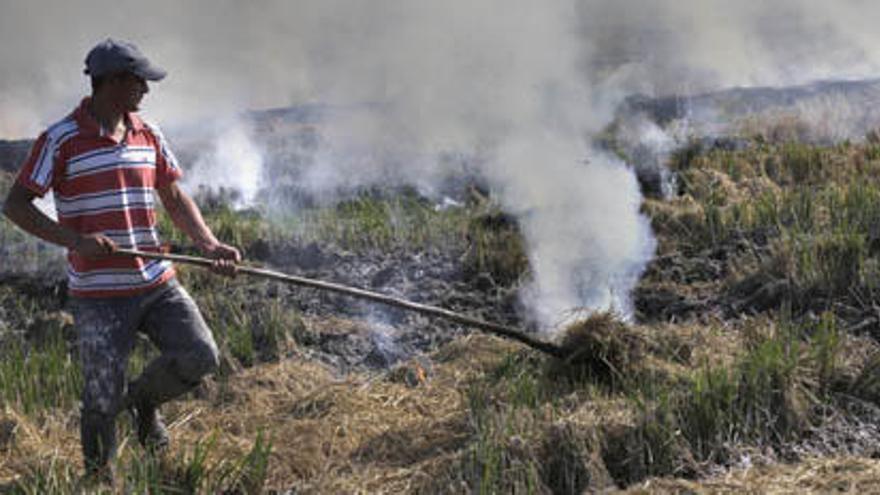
(103, 164)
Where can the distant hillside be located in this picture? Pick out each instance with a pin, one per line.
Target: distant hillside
(851, 105)
(737, 102)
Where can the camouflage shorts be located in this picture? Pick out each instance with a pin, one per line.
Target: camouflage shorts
(107, 331)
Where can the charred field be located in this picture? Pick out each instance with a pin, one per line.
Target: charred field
(752, 362)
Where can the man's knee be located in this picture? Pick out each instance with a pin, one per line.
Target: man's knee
(200, 361)
(210, 358)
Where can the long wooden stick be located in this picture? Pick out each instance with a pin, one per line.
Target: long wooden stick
(494, 328)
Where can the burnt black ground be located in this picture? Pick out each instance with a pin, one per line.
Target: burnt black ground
(392, 334)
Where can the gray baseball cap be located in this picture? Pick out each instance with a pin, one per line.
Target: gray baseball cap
(111, 56)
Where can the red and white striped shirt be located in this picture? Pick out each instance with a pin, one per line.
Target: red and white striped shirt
(104, 186)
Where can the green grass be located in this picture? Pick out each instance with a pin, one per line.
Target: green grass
(196, 469)
(767, 397)
(363, 223)
(248, 326)
(517, 446)
(193, 471)
(20, 251)
(523, 441)
(502, 413)
(818, 188)
(240, 230)
(25, 254)
(498, 459)
(804, 218)
(368, 222)
(35, 378)
(43, 373)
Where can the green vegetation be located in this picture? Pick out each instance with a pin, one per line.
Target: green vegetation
(801, 223)
(767, 397)
(247, 330)
(778, 241)
(36, 378)
(21, 252)
(654, 423)
(487, 239)
(243, 230)
(190, 471)
(370, 222)
(362, 223)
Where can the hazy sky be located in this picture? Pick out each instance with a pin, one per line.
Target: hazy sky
(226, 55)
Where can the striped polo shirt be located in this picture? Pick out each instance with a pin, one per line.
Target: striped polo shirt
(104, 186)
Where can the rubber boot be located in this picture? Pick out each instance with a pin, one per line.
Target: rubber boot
(98, 437)
(168, 376)
(151, 431)
(144, 397)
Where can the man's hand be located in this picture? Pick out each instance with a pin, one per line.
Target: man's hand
(93, 246)
(187, 217)
(225, 258)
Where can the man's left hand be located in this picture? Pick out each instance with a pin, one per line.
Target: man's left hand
(225, 258)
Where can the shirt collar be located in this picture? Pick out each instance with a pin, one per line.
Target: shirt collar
(88, 124)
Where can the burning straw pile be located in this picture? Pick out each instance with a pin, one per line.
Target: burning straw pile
(600, 348)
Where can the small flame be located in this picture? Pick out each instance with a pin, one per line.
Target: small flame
(421, 375)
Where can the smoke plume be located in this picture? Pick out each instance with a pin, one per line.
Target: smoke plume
(523, 85)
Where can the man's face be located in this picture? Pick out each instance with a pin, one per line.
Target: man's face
(126, 91)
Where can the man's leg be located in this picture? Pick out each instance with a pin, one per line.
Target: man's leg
(188, 352)
(104, 345)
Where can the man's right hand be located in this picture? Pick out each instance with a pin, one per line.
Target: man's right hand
(93, 246)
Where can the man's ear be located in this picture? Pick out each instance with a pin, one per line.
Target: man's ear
(113, 79)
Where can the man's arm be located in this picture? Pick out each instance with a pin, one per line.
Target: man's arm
(187, 217)
(20, 209)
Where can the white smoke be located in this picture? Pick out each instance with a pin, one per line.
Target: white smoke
(232, 161)
(505, 83)
(523, 85)
(587, 241)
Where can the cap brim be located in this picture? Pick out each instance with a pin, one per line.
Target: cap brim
(150, 72)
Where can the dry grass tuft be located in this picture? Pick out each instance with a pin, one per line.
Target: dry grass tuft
(862, 371)
(31, 441)
(600, 348)
(678, 218)
(815, 475)
(358, 433)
